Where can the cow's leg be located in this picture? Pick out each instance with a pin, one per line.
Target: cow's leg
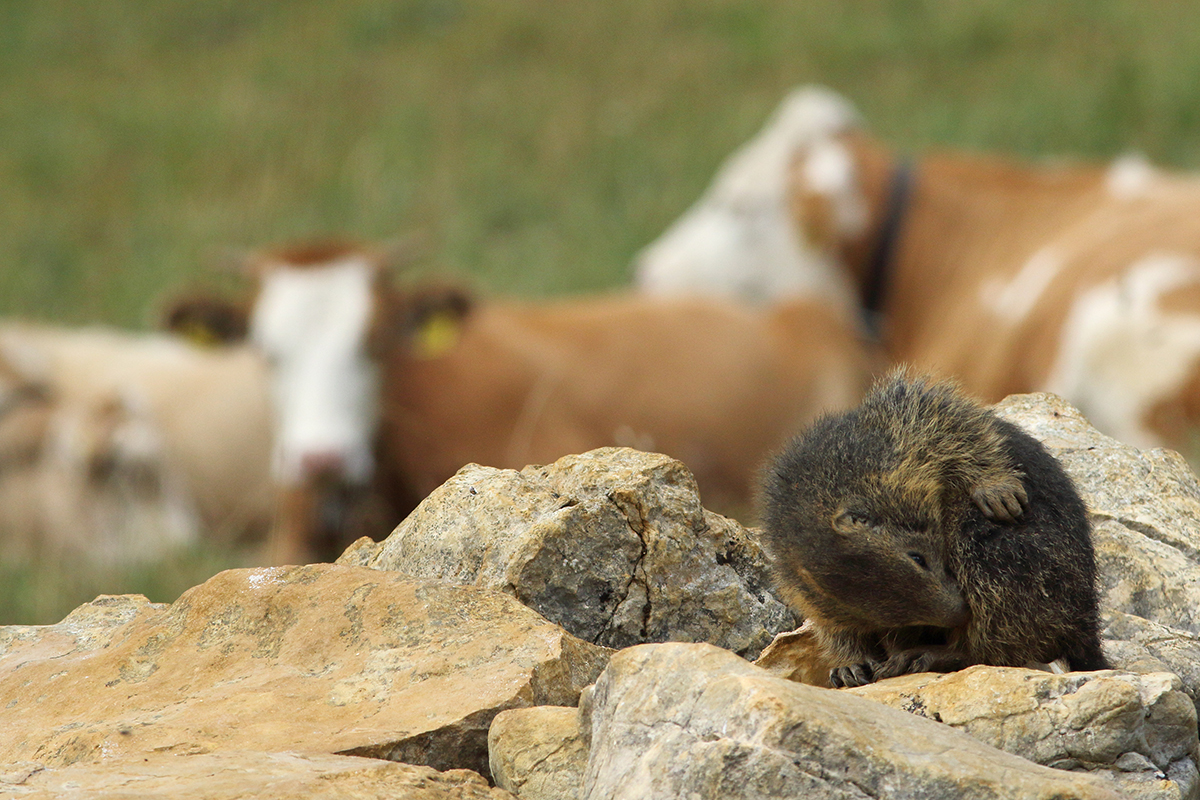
(289, 539)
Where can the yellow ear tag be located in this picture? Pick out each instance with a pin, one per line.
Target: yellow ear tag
(438, 334)
(199, 335)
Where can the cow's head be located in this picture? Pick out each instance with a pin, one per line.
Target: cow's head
(312, 320)
(741, 237)
(324, 317)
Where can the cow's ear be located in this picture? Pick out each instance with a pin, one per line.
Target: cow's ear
(433, 319)
(206, 320)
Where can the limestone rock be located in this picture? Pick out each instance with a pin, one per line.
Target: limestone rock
(676, 720)
(320, 658)
(238, 774)
(1141, 729)
(613, 545)
(89, 627)
(538, 753)
(796, 655)
(1139, 645)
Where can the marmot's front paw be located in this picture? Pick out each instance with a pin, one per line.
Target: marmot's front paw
(1003, 501)
(853, 675)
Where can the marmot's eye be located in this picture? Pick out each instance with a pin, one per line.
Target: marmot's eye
(920, 559)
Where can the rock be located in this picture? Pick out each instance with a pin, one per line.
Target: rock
(359, 553)
(613, 545)
(677, 720)
(1141, 729)
(796, 656)
(89, 627)
(538, 753)
(238, 774)
(1139, 645)
(1145, 509)
(319, 659)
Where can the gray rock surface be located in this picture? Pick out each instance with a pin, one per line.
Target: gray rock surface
(1140, 645)
(1140, 730)
(675, 720)
(612, 544)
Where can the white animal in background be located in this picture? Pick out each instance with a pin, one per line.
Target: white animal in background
(120, 447)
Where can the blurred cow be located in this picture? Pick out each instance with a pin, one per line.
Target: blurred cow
(1081, 280)
(119, 447)
(376, 383)
(739, 239)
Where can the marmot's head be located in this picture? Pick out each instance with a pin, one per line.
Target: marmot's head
(851, 547)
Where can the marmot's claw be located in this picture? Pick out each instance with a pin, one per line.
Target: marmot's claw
(854, 675)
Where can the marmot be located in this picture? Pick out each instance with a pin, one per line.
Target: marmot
(921, 532)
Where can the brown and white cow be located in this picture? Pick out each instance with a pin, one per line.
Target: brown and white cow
(1081, 280)
(404, 387)
(119, 447)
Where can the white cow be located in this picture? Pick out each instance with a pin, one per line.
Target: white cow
(120, 446)
(739, 240)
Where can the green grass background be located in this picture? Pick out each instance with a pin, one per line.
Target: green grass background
(534, 145)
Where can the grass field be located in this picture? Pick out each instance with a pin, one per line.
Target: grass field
(534, 145)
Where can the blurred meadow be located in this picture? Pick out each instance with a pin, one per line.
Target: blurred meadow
(533, 145)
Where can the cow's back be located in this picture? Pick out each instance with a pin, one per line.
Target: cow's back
(713, 383)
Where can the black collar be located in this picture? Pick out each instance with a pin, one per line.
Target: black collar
(878, 266)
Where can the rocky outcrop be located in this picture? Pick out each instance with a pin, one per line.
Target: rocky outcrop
(672, 720)
(613, 545)
(322, 658)
(447, 647)
(1139, 645)
(1139, 730)
(235, 774)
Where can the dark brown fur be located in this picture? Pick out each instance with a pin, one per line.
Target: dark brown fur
(921, 532)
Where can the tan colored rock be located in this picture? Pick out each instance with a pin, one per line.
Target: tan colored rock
(359, 553)
(318, 659)
(1140, 729)
(538, 753)
(89, 627)
(796, 656)
(675, 720)
(239, 774)
(612, 544)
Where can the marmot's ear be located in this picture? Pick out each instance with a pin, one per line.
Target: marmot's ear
(849, 522)
(206, 320)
